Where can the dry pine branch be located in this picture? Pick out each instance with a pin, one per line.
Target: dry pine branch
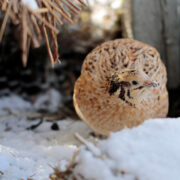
(39, 22)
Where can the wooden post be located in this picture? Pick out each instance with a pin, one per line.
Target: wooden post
(171, 39)
(157, 22)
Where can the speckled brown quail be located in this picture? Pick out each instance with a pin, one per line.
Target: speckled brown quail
(122, 83)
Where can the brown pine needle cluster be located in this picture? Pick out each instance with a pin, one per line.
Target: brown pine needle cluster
(39, 23)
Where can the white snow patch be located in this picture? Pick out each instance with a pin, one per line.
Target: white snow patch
(49, 101)
(147, 152)
(13, 104)
(31, 3)
(32, 153)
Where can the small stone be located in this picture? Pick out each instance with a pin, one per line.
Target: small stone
(55, 127)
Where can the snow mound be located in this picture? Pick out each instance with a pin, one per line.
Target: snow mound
(148, 152)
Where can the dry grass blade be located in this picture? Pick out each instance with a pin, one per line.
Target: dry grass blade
(73, 5)
(57, 175)
(38, 22)
(52, 12)
(48, 45)
(13, 17)
(65, 16)
(82, 2)
(24, 37)
(36, 26)
(71, 8)
(4, 5)
(54, 44)
(32, 33)
(91, 147)
(5, 18)
(59, 5)
(42, 10)
(44, 21)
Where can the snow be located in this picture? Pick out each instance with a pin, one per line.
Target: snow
(27, 154)
(50, 101)
(148, 152)
(31, 3)
(14, 104)
(32, 154)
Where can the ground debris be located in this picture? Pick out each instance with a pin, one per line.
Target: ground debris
(63, 175)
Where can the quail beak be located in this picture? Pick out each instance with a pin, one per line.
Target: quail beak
(149, 83)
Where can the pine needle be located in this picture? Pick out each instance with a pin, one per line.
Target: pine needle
(5, 18)
(39, 23)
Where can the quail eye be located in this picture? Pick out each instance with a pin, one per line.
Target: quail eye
(134, 82)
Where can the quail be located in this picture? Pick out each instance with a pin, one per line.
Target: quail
(122, 84)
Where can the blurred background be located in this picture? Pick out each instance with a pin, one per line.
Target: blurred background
(156, 22)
